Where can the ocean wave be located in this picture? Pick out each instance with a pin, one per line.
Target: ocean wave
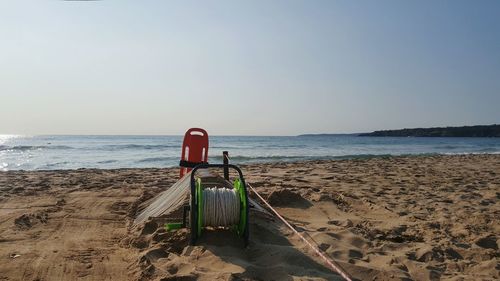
(56, 164)
(283, 158)
(157, 159)
(489, 149)
(136, 146)
(448, 146)
(33, 147)
(472, 153)
(107, 161)
(287, 158)
(289, 146)
(255, 146)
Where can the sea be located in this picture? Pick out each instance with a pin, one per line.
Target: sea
(110, 152)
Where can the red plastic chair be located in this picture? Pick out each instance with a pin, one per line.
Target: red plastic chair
(194, 150)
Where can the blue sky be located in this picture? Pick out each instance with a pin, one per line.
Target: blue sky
(247, 67)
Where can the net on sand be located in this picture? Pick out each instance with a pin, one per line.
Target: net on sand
(168, 201)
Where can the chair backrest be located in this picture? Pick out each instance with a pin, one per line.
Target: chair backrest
(194, 148)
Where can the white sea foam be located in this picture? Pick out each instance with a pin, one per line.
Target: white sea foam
(470, 153)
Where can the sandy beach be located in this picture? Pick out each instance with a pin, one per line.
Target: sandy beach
(394, 218)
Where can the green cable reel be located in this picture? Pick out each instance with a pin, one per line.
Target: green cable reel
(196, 205)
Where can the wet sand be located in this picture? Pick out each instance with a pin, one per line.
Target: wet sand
(397, 218)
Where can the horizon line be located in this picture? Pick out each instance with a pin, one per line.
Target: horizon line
(175, 135)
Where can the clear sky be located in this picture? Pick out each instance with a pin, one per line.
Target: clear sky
(246, 67)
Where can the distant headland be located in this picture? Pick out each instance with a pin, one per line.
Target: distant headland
(464, 131)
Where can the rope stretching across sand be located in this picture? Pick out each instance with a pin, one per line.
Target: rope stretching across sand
(333, 265)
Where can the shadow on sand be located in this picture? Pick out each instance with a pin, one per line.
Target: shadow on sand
(269, 256)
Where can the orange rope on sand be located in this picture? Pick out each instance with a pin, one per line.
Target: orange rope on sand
(328, 261)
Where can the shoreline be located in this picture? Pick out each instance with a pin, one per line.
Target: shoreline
(312, 159)
(391, 218)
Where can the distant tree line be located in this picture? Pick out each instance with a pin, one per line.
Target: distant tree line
(465, 131)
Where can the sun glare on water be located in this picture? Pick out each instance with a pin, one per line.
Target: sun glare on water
(5, 138)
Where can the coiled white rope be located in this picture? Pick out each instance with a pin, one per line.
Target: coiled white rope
(221, 207)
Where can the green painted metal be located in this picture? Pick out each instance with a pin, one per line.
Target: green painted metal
(173, 226)
(199, 197)
(243, 203)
